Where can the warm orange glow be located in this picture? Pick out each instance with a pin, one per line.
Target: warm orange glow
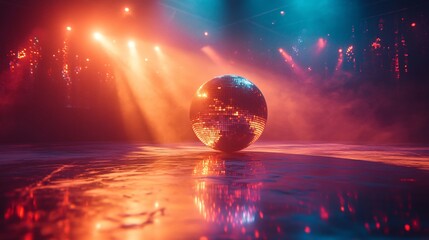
(21, 54)
(131, 44)
(167, 80)
(202, 95)
(157, 48)
(127, 9)
(98, 36)
(68, 28)
(148, 76)
(140, 86)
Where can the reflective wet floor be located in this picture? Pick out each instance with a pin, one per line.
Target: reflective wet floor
(269, 191)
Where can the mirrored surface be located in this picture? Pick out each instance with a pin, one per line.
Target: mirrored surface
(228, 113)
(134, 191)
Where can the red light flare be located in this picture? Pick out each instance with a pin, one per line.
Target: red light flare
(323, 213)
(413, 24)
(256, 234)
(376, 44)
(307, 229)
(377, 225)
(407, 227)
(350, 208)
(367, 227)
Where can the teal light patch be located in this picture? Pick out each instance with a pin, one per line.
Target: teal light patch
(242, 82)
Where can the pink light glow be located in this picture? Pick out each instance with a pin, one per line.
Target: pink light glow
(323, 213)
(307, 229)
(287, 57)
(321, 43)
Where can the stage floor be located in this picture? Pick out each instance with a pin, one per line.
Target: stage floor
(268, 191)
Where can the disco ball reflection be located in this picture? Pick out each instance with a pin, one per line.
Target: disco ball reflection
(228, 113)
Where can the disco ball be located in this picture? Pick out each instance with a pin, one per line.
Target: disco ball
(228, 113)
